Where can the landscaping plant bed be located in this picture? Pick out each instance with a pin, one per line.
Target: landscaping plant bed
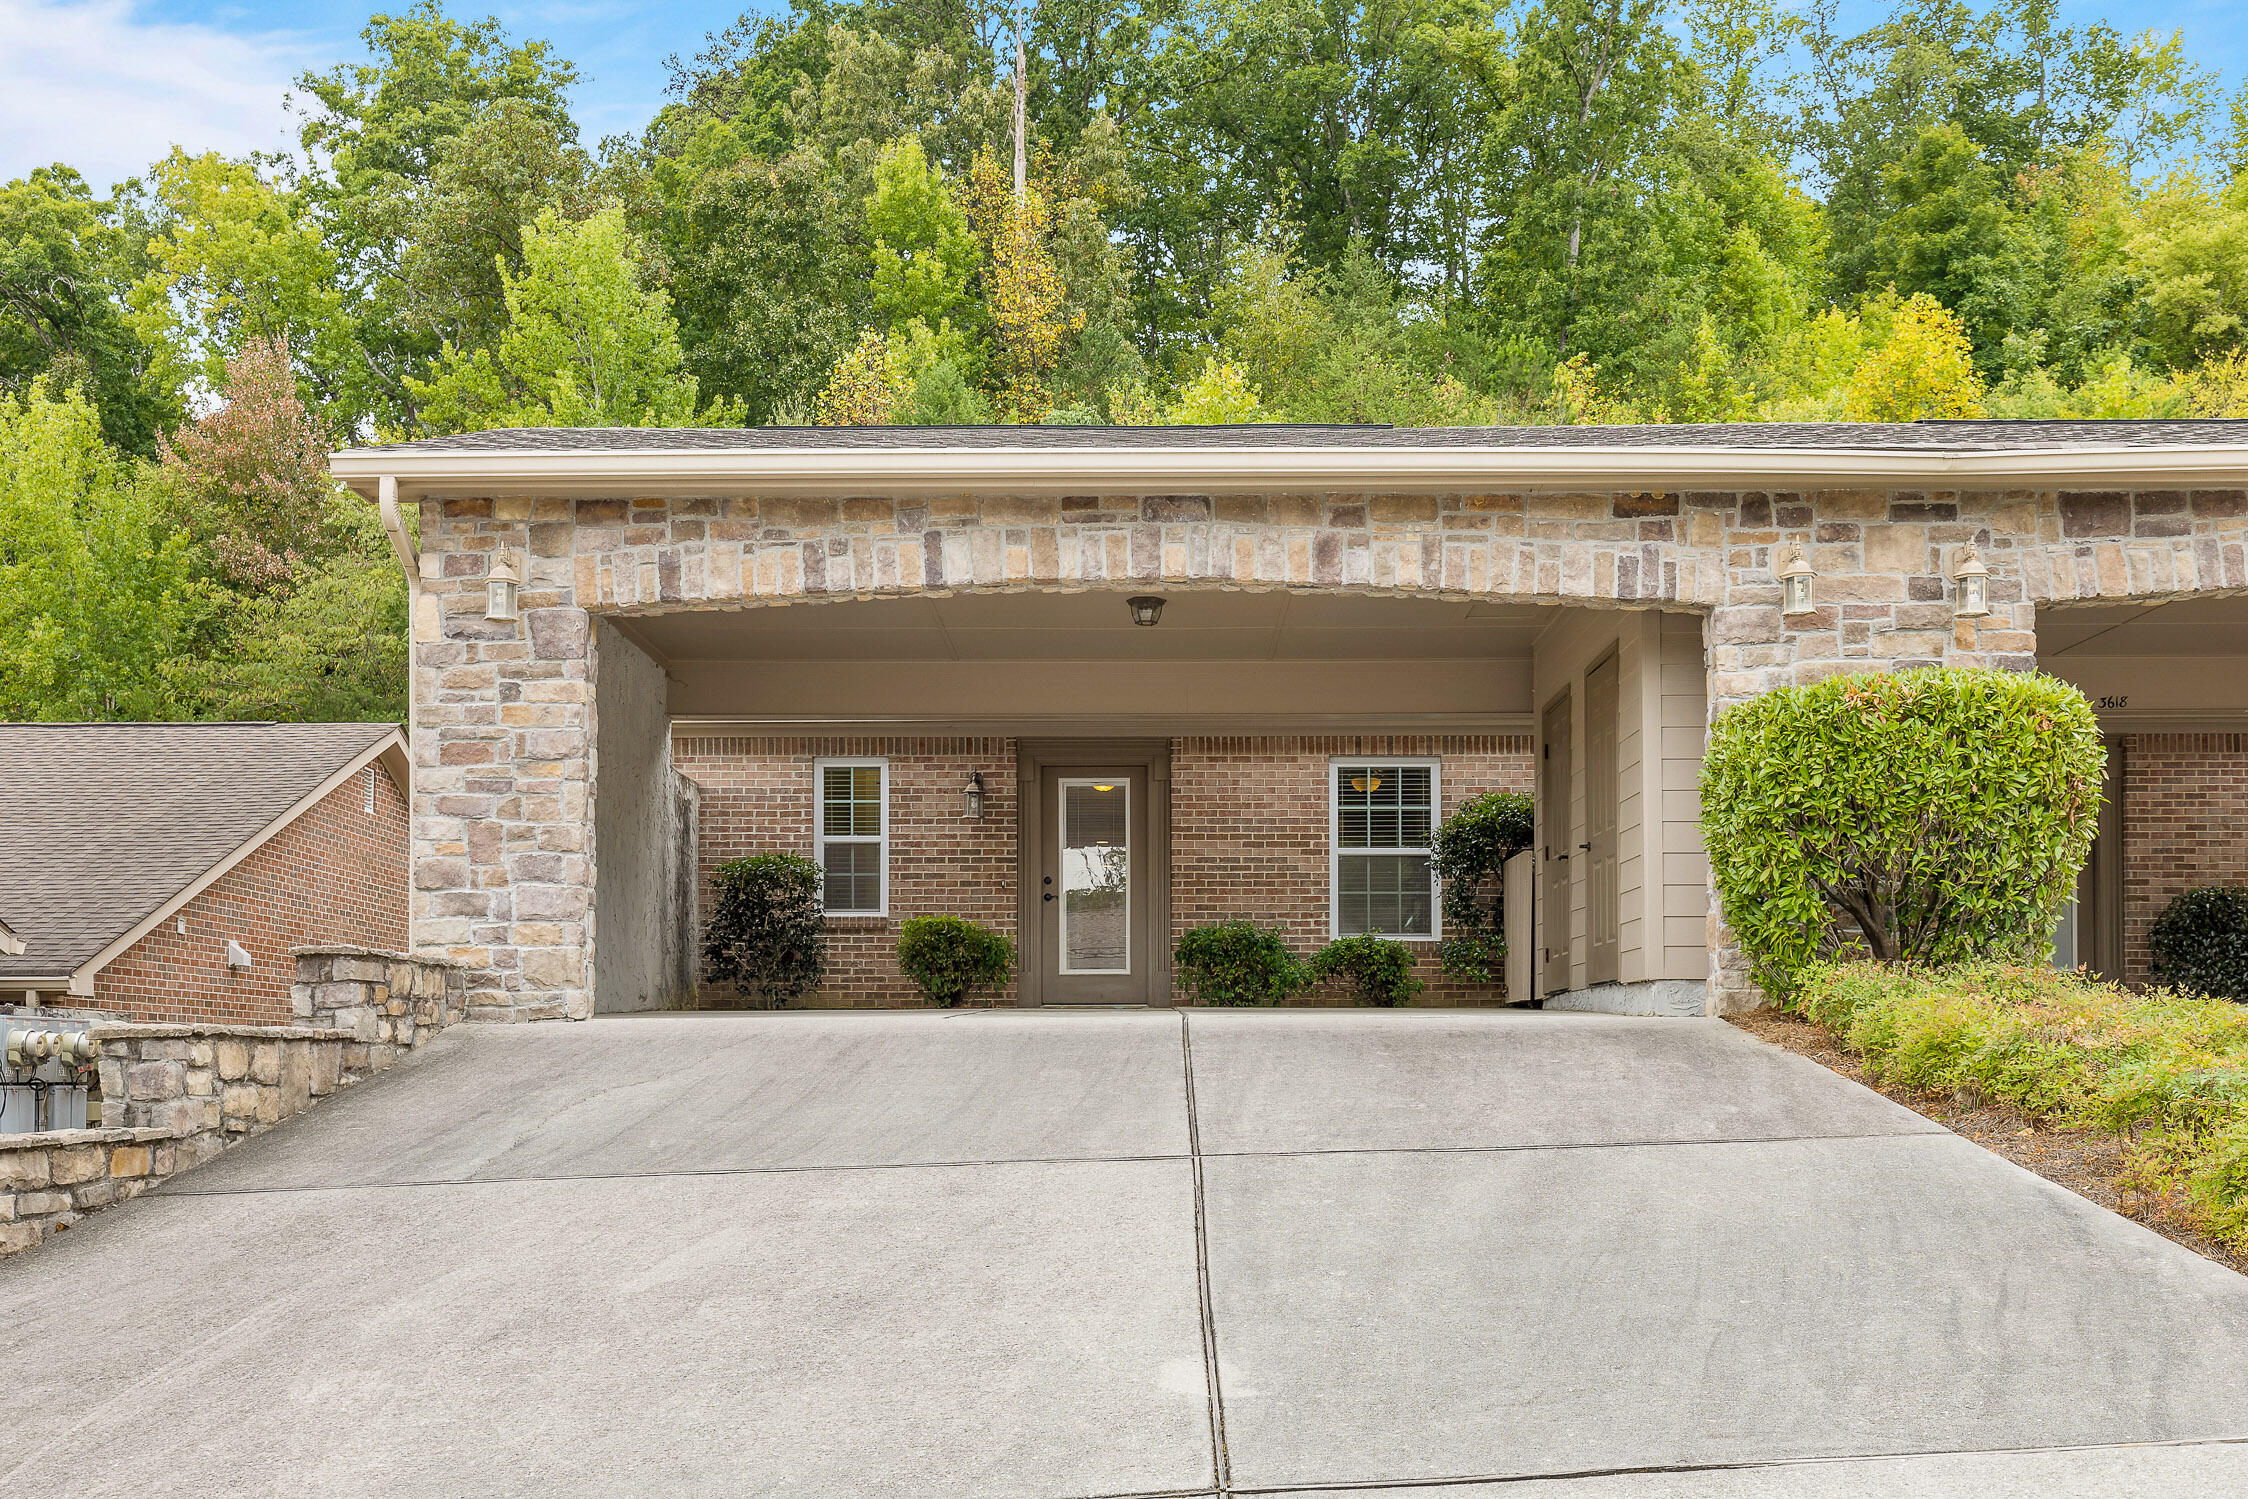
(2093, 1163)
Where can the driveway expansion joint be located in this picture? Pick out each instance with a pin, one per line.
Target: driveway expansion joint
(1220, 1462)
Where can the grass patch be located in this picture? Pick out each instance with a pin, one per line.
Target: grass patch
(2166, 1071)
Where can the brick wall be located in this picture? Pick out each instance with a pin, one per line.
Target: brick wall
(757, 797)
(1249, 827)
(337, 875)
(1248, 832)
(2185, 825)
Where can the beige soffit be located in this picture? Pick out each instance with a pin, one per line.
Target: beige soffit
(658, 471)
(390, 750)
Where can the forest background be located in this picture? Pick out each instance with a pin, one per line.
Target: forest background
(1420, 212)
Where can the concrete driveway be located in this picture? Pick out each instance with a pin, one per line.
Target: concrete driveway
(998, 1253)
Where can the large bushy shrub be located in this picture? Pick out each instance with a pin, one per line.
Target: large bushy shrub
(2168, 1070)
(1236, 963)
(1920, 816)
(948, 957)
(1377, 970)
(2200, 942)
(1470, 853)
(767, 935)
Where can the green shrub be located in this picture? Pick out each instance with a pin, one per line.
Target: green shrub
(1236, 963)
(767, 934)
(1470, 854)
(1378, 971)
(2200, 942)
(2169, 1070)
(949, 958)
(1924, 816)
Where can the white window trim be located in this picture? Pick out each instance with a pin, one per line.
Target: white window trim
(820, 839)
(1335, 850)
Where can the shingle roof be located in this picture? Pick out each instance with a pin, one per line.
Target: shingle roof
(102, 823)
(1919, 437)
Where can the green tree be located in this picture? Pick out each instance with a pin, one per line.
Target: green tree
(65, 267)
(2190, 256)
(924, 248)
(588, 343)
(95, 592)
(1920, 364)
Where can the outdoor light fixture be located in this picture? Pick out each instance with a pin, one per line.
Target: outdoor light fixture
(1796, 573)
(499, 591)
(1146, 608)
(1973, 600)
(973, 796)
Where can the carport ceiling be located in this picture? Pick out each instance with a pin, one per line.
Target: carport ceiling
(1196, 626)
(2189, 627)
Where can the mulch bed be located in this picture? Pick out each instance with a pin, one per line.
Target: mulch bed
(2086, 1162)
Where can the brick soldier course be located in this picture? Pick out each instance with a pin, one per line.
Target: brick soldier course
(506, 711)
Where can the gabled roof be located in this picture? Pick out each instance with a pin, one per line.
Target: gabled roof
(867, 460)
(105, 826)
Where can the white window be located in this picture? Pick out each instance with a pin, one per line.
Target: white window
(851, 824)
(1382, 816)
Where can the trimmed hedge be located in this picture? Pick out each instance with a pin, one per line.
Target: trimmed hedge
(1926, 816)
(2169, 1071)
(1236, 963)
(2200, 941)
(767, 934)
(1378, 971)
(949, 957)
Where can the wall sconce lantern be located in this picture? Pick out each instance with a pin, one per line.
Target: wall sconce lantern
(1796, 573)
(1146, 608)
(1973, 601)
(973, 797)
(499, 591)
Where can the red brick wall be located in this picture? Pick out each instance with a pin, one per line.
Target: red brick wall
(1249, 828)
(2185, 825)
(1248, 832)
(757, 798)
(337, 874)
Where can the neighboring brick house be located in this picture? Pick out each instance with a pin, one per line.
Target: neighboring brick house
(164, 871)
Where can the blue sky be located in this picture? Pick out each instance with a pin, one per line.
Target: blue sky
(110, 85)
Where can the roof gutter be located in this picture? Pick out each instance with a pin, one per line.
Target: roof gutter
(390, 473)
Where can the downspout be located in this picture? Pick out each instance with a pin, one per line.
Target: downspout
(409, 562)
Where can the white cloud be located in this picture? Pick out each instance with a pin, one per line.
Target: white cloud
(91, 83)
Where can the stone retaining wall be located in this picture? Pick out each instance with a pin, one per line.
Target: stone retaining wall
(174, 1095)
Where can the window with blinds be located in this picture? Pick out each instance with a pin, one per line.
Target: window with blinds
(852, 835)
(1384, 821)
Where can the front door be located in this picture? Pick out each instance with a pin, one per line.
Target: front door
(1603, 917)
(1093, 878)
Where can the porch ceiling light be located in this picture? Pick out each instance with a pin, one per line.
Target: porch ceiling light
(500, 589)
(1146, 608)
(1796, 573)
(1973, 599)
(972, 797)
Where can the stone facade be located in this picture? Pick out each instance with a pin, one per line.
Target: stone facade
(174, 1095)
(338, 873)
(506, 709)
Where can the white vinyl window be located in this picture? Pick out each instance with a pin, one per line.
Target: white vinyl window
(851, 823)
(1382, 816)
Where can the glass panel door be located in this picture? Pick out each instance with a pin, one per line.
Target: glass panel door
(1096, 860)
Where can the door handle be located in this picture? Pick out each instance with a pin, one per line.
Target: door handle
(1049, 895)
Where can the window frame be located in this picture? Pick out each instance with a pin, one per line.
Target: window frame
(820, 839)
(1335, 850)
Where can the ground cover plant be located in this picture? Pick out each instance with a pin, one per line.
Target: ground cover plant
(1376, 970)
(767, 934)
(2200, 942)
(2166, 1071)
(949, 958)
(1236, 963)
(1924, 816)
(1470, 854)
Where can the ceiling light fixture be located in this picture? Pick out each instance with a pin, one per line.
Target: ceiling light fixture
(1146, 608)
